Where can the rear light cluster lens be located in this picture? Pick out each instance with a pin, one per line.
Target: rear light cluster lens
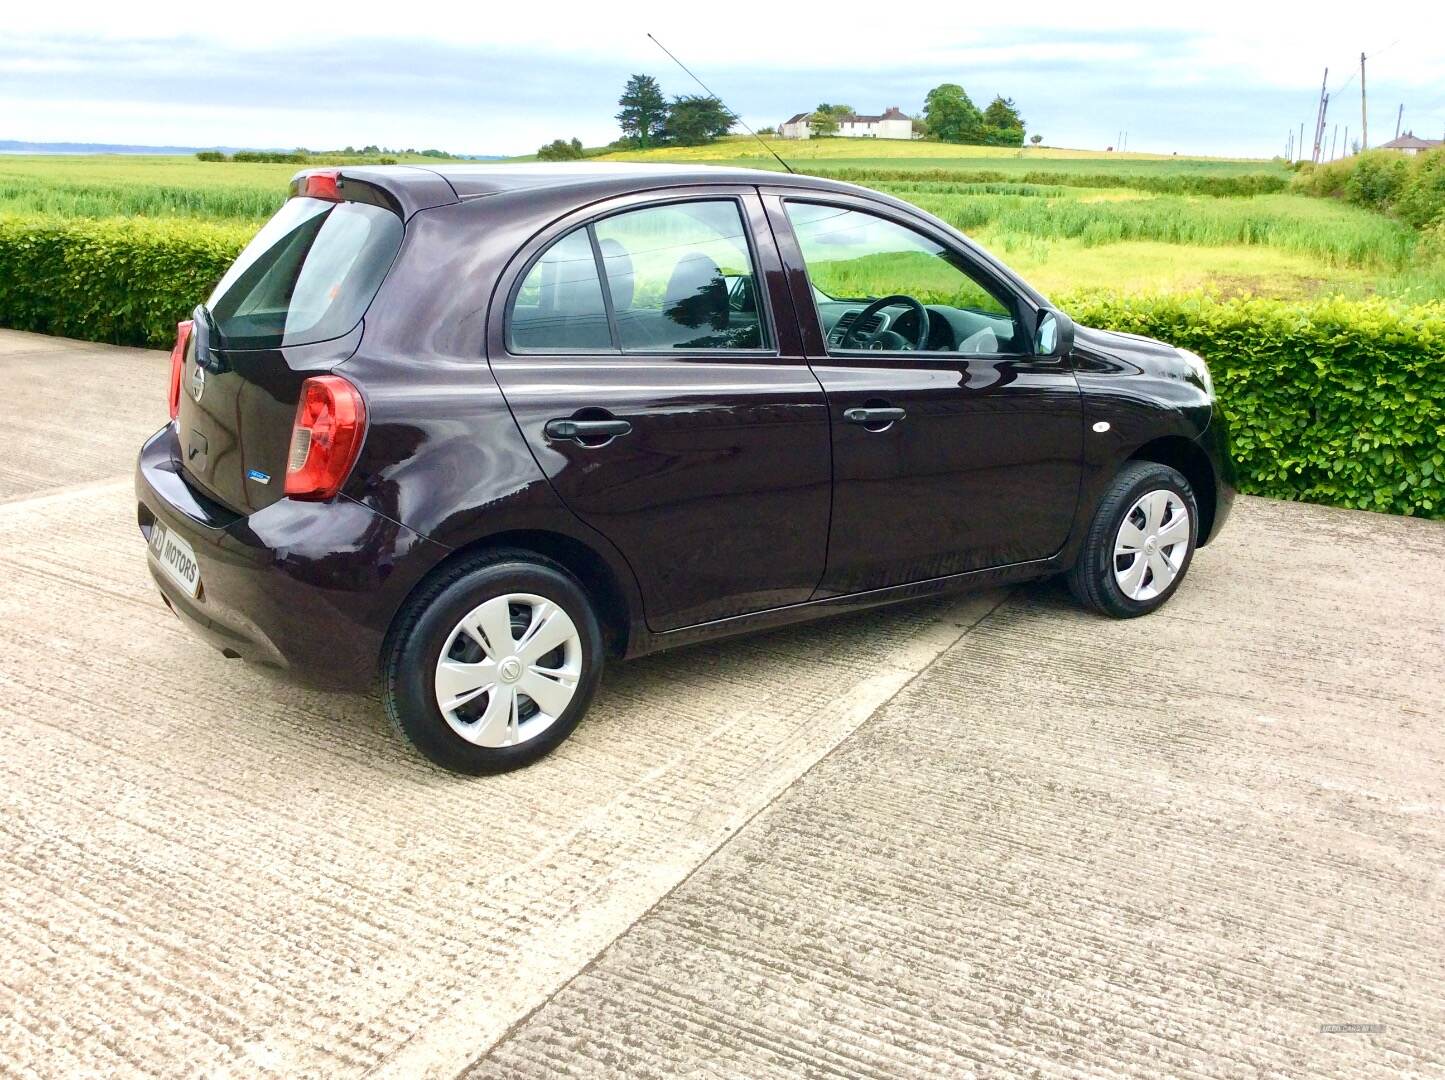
(178, 361)
(330, 424)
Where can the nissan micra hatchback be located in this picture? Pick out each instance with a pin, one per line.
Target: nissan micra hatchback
(478, 429)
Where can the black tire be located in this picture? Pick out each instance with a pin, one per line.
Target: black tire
(1092, 579)
(423, 629)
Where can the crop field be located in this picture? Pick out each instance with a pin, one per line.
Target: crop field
(1076, 221)
(1069, 220)
(826, 154)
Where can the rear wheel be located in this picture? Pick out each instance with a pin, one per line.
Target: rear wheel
(492, 665)
(1140, 542)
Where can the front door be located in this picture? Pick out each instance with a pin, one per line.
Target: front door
(651, 358)
(954, 447)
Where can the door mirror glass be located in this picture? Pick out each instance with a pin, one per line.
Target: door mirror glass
(1055, 336)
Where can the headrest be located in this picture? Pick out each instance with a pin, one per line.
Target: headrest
(697, 295)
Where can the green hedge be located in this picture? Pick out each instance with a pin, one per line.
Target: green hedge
(124, 281)
(1410, 187)
(1173, 184)
(1338, 401)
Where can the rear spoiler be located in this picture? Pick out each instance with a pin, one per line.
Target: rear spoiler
(401, 189)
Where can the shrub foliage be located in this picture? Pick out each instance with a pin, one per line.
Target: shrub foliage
(1336, 401)
(125, 282)
(1412, 188)
(1163, 183)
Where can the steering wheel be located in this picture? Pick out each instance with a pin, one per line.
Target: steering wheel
(855, 329)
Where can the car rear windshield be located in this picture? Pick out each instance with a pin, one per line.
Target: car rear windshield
(308, 275)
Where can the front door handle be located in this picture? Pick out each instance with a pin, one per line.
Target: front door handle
(586, 430)
(873, 416)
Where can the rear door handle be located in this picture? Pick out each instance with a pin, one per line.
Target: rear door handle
(581, 430)
(873, 416)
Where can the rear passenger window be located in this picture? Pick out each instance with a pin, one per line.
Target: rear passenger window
(679, 276)
(559, 305)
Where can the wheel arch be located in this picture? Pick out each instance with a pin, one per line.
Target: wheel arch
(599, 580)
(1186, 456)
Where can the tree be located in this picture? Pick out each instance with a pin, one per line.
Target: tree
(560, 150)
(1002, 124)
(824, 119)
(1036, 139)
(644, 110)
(951, 116)
(693, 120)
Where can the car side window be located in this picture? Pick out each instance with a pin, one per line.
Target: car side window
(559, 305)
(858, 262)
(681, 276)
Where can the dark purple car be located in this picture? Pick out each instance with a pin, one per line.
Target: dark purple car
(477, 429)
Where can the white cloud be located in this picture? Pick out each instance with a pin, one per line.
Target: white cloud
(1231, 77)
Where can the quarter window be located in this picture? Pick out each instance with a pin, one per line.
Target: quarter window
(675, 277)
(559, 305)
(855, 258)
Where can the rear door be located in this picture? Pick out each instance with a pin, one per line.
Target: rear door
(959, 455)
(650, 355)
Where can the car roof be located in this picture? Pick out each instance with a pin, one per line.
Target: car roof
(473, 181)
(491, 179)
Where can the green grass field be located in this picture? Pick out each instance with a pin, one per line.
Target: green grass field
(1068, 220)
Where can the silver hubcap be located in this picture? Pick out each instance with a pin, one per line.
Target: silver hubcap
(508, 670)
(1152, 543)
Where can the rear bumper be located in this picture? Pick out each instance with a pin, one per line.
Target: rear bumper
(307, 589)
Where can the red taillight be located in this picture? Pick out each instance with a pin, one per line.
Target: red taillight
(330, 423)
(178, 361)
(322, 185)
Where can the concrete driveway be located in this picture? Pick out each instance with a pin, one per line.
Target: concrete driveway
(991, 835)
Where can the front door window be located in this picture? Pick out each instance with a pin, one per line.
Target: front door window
(880, 286)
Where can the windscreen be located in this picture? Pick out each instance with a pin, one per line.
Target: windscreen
(308, 275)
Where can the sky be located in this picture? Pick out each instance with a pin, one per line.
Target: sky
(1227, 78)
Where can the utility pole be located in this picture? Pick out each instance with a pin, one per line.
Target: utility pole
(1364, 116)
(1320, 129)
(1300, 154)
(1398, 117)
(1320, 117)
(1334, 141)
(1345, 146)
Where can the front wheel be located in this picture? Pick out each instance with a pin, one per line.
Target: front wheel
(1140, 542)
(493, 664)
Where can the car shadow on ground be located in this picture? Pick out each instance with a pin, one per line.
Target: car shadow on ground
(679, 687)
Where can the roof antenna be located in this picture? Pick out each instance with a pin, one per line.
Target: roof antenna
(736, 118)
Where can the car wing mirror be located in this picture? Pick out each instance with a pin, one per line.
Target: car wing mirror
(1055, 335)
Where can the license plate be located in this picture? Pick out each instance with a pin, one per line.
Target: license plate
(176, 558)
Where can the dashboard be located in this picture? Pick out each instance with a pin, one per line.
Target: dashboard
(950, 329)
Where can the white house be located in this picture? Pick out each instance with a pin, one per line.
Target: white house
(891, 125)
(1409, 144)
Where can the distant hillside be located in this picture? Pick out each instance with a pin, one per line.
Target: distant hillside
(11, 146)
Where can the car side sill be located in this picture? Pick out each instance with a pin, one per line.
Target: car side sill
(646, 641)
